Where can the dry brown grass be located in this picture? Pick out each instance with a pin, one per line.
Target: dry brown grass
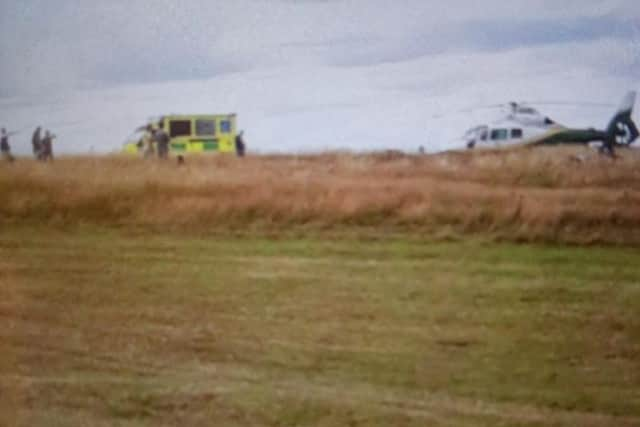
(548, 195)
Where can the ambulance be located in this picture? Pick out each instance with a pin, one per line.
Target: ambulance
(191, 134)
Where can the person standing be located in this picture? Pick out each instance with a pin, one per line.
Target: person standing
(47, 147)
(162, 143)
(36, 142)
(240, 144)
(5, 148)
(147, 142)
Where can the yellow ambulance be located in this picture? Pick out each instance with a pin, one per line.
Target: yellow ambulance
(189, 133)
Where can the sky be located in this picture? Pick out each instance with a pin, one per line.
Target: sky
(309, 75)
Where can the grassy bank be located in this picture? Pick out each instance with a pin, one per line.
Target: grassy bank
(104, 328)
(541, 195)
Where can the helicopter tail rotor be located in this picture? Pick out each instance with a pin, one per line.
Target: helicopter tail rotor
(621, 129)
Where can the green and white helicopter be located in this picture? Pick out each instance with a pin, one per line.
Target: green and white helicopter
(524, 126)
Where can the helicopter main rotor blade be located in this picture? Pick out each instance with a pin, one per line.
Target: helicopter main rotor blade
(572, 104)
(469, 110)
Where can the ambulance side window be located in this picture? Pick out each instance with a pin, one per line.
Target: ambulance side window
(205, 127)
(225, 126)
(179, 128)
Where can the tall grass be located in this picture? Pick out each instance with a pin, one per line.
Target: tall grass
(549, 195)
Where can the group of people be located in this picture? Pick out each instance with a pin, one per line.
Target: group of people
(42, 146)
(156, 141)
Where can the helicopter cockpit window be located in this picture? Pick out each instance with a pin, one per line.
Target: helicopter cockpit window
(483, 135)
(499, 134)
(516, 133)
(179, 128)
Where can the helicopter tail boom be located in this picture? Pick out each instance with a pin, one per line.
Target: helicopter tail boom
(621, 129)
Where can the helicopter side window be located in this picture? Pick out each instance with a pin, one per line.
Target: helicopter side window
(516, 133)
(499, 134)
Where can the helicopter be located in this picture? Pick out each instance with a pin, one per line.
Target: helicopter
(524, 126)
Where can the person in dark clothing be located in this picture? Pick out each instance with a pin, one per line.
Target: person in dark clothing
(47, 147)
(36, 142)
(162, 142)
(240, 145)
(5, 148)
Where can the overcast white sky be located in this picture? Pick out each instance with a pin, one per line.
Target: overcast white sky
(307, 75)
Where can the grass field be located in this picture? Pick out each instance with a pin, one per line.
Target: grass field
(105, 326)
(542, 195)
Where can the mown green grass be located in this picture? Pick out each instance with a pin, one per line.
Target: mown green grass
(118, 327)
